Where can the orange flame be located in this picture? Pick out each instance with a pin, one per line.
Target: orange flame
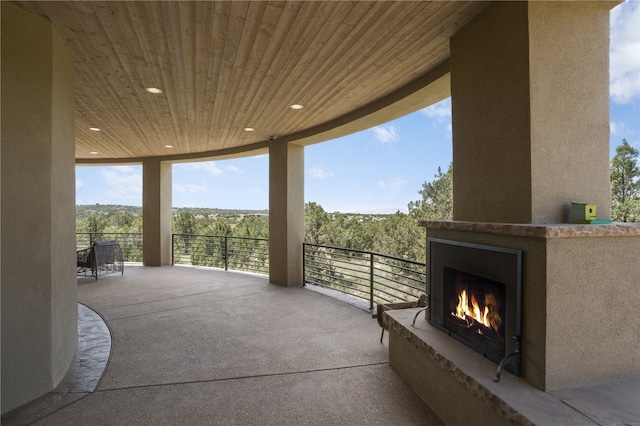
(471, 310)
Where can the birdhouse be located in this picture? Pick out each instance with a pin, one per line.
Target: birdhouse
(581, 213)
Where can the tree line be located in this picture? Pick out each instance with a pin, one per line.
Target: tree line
(397, 235)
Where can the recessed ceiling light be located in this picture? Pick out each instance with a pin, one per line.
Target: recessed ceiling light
(95, 129)
(168, 146)
(249, 129)
(94, 153)
(154, 90)
(296, 106)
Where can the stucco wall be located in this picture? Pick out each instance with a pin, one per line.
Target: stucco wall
(490, 117)
(569, 98)
(39, 302)
(529, 87)
(593, 297)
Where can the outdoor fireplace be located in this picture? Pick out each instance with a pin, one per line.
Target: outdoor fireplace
(475, 295)
(542, 268)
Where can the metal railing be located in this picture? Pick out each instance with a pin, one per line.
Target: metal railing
(130, 242)
(236, 253)
(374, 277)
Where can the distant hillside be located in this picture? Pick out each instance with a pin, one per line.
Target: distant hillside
(204, 211)
(85, 210)
(82, 211)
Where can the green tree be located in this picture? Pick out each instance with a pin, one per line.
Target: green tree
(184, 223)
(252, 227)
(136, 224)
(399, 235)
(95, 222)
(625, 184)
(437, 198)
(244, 252)
(209, 250)
(314, 218)
(347, 232)
(220, 228)
(121, 220)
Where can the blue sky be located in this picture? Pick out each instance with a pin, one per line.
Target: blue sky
(379, 170)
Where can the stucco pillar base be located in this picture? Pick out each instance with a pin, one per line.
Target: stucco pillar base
(286, 213)
(156, 212)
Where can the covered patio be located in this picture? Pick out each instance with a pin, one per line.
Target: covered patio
(204, 346)
(155, 83)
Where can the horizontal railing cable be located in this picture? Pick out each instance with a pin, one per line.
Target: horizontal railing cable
(236, 253)
(373, 277)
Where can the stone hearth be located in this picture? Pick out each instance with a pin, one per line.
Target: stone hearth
(457, 384)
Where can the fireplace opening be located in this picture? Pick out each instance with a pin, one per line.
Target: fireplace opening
(475, 297)
(475, 307)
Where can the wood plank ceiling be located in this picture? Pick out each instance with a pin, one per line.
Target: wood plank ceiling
(225, 66)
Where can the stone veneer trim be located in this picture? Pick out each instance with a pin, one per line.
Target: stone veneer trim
(561, 230)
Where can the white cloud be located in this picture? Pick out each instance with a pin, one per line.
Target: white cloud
(79, 183)
(234, 169)
(617, 128)
(441, 111)
(386, 134)
(624, 53)
(392, 184)
(124, 183)
(125, 169)
(320, 172)
(189, 188)
(207, 166)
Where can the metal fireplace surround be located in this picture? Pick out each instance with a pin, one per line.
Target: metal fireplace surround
(481, 268)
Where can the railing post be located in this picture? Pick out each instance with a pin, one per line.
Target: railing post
(304, 263)
(371, 281)
(173, 248)
(226, 254)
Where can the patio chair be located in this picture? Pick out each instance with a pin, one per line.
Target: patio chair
(103, 257)
(382, 307)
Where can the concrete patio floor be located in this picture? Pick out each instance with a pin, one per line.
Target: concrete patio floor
(203, 346)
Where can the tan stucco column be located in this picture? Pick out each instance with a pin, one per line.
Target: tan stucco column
(530, 104)
(156, 212)
(39, 300)
(286, 213)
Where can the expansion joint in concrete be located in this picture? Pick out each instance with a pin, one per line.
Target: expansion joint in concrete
(254, 376)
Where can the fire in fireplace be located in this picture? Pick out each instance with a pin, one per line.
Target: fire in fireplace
(476, 311)
(475, 293)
